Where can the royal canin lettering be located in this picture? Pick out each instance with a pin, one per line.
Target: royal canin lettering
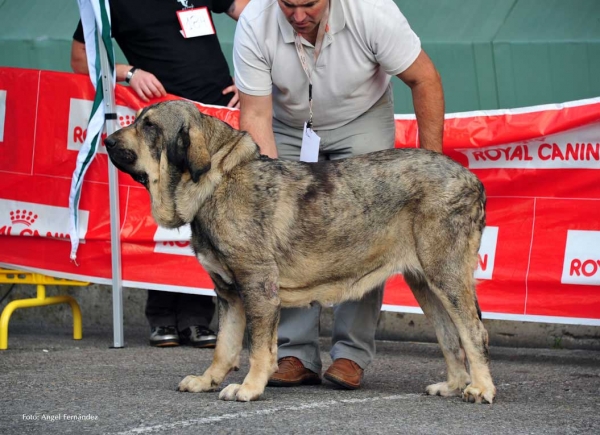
(585, 268)
(546, 151)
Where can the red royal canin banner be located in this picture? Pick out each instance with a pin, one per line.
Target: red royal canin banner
(540, 254)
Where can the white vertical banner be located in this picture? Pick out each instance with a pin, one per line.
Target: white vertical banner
(95, 18)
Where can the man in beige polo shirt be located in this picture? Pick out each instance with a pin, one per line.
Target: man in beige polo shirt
(344, 100)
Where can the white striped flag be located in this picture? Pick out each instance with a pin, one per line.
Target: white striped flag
(95, 18)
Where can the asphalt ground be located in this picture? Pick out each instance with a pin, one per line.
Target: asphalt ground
(51, 384)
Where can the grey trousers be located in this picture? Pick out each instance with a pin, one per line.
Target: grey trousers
(355, 322)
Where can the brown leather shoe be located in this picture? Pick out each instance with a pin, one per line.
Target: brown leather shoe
(292, 372)
(345, 373)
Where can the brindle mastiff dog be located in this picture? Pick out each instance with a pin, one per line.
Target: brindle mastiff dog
(275, 233)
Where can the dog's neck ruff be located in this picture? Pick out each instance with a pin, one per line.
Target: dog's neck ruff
(239, 149)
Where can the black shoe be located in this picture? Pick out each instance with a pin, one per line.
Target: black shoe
(164, 336)
(198, 336)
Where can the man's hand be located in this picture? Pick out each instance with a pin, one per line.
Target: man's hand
(235, 100)
(146, 85)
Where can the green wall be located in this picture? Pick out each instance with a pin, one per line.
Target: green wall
(491, 53)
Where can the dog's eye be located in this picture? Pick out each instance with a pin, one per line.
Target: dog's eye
(148, 123)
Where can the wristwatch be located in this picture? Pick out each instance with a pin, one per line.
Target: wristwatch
(130, 74)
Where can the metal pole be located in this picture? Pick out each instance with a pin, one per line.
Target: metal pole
(113, 187)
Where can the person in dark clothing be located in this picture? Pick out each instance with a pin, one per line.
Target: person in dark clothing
(164, 56)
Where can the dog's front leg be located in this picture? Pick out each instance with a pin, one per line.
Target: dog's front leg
(262, 312)
(232, 323)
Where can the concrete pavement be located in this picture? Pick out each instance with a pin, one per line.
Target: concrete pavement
(50, 384)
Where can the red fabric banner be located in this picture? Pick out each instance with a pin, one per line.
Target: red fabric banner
(540, 255)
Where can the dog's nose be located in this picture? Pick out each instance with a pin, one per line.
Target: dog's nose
(109, 142)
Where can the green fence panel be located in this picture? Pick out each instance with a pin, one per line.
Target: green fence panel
(490, 53)
(548, 51)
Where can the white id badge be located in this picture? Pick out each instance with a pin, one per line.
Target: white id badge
(310, 146)
(195, 22)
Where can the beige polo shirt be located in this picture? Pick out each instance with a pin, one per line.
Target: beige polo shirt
(367, 42)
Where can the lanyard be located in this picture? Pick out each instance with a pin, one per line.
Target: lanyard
(302, 56)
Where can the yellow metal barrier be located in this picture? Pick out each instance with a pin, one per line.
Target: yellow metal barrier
(41, 281)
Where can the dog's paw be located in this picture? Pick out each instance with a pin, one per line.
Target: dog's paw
(241, 393)
(229, 392)
(196, 384)
(443, 389)
(248, 393)
(475, 394)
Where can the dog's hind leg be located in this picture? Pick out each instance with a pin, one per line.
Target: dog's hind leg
(232, 323)
(447, 336)
(262, 305)
(447, 238)
(449, 273)
(460, 302)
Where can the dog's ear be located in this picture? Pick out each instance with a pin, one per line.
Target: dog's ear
(198, 157)
(190, 153)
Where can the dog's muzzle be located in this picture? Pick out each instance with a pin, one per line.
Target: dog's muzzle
(119, 155)
(124, 160)
(110, 142)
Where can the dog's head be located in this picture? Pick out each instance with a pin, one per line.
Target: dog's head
(179, 155)
(161, 131)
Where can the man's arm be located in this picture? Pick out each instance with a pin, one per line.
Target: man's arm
(145, 84)
(256, 117)
(428, 100)
(236, 8)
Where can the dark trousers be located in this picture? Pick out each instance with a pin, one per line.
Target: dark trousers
(179, 309)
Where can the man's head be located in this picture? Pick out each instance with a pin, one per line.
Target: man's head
(304, 15)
